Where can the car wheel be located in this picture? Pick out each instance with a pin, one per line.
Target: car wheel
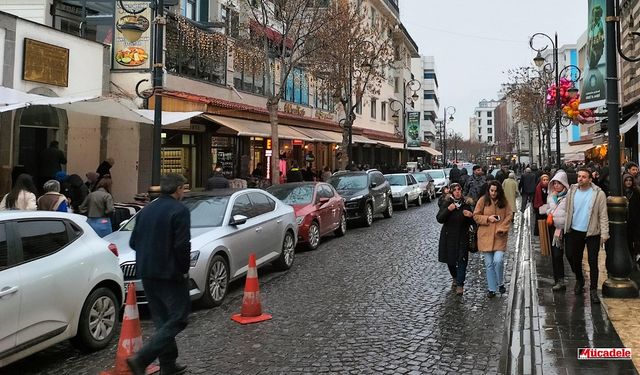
(285, 261)
(367, 218)
(419, 200)
(405, 203)
(388, 212)
(98, 320)
(342, 228)
(314, 236)
(217, 283)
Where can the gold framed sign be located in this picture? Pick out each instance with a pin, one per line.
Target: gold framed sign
(45, 63)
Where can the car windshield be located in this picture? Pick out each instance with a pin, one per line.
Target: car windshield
(295, 194)
(420, 177)
(349, 182)
(205, 212)
(396, 180)
(436, 174)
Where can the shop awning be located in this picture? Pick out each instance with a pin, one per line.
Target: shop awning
(355, 138)
(335, 137)
(317, 135)
(252, 128)
(12, 99)
(399, 146)
(629, 124)
(577, 148)
(431, 151)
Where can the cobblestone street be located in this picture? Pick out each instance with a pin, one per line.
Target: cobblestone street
(375, 301)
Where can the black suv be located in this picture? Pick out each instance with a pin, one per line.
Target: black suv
(365, 194)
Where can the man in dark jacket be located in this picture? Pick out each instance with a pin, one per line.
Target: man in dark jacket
(527, 187)
(454, 175)
(217, 179)
(473, 187)
(161, 239)
(294, 174)
(51, 161)
(502, 174)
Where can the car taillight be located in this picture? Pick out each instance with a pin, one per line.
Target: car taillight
(113, 248)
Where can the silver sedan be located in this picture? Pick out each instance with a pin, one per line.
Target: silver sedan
(226, 226)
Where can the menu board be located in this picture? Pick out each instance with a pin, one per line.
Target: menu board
(132, 37)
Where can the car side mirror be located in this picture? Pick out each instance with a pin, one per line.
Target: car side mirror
(323, 200)
(374, 184)
(238, 220)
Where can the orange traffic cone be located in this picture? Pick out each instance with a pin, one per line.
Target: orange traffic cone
(130, 337)
(251, 311)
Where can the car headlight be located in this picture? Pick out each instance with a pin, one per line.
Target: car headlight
(355, 198)
(193, 258)
(299, 220)
(440, 184)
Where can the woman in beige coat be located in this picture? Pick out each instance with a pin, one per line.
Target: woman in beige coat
(493, 216)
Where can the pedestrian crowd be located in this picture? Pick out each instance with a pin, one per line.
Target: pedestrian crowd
(570, 205)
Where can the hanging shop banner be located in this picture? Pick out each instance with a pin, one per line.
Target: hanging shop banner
(413, 129)
(592, 91)
(132, 39)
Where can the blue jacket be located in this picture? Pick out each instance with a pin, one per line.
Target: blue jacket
(161, 239)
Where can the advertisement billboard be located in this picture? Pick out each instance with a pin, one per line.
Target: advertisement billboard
(413, 132)
(132, 36)
(593, 89)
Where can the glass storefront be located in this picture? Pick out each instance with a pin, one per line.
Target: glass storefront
(88, 19)
(223, 150)
(178, 155)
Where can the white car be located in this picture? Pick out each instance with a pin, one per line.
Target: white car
(58, 280)
(404, 189)
(440, 179)
(226, 226)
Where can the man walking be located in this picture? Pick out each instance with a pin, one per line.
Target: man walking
(161, 239)
(473, 187)
(587, 223)
(527, 187)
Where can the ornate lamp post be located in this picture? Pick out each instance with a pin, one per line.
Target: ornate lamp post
(397, 106)
(619, 261)
(452, 111)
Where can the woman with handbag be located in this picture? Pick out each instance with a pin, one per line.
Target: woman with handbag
(556, 216)
(493, 216)
(455, 215)
(540, 201)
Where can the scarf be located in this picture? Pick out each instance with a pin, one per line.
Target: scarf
(556, 197)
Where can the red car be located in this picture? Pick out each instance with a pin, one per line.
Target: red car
(319, 209)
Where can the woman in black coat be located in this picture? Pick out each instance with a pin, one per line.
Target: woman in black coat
(456, 215)
(632, 192)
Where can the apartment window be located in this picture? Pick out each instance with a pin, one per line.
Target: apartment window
(478, 114)
(88, 19)
(430, 74)
(297, 88)
(396, 85)
(373, 108)
(191, 10)
(489, 139)
(489, 114)
(383, 111)
(479, 138)
(426, 115)
(231, 19)
(359, 107)
(479, 122)
(490, 130)
(479, 130)
(489, 122)
(323, 99)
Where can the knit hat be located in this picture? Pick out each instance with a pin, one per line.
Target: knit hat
(561, 176)
(627, 175)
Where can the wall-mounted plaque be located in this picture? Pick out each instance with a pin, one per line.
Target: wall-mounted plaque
(45, 63)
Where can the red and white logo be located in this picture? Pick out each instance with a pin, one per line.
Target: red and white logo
(604, 353)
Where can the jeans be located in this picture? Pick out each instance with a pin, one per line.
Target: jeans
(458, 271)
(169, 304)
(494, 266)
(575, 243)
(557, 262)
(102, 225)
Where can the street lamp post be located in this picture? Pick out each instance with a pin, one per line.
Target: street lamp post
(398, 106)
(619, 262)
(452, 111)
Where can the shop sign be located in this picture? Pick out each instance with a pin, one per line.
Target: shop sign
(298, 142)
(132, 36)
(294, 110)
(45, 63)
(413, 129)
(269, 144)
(268, 153)
(324, 115)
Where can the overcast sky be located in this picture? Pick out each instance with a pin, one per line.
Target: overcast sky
(475, 41)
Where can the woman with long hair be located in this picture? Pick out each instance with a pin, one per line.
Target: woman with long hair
(98, 206)
(22, 196)
(493, 216)
(455, 215)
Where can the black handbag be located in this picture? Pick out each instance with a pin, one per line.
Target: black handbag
(473, 238)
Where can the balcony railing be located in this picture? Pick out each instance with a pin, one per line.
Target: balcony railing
(195, 52)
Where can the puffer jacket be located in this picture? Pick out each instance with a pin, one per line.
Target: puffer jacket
(557, 206)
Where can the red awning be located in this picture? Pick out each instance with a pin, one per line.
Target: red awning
(271, 34)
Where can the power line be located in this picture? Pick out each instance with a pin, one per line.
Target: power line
(467, 35)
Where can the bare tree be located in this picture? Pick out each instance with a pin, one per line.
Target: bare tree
(470, 149)
(282, 35)
(355, 61)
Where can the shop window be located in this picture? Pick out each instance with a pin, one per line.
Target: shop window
(248, 74)
(88, 19)
(297, 87)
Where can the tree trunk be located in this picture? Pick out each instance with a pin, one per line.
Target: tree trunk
(550, 158)
(272, 107)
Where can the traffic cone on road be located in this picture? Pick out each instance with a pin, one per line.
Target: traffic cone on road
(251, 311)
(130, 337)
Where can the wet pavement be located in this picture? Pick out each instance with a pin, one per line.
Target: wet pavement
(376, 301)
(556, 324)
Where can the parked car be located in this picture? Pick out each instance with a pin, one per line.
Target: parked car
(440, 180)
(404, 189)
(365, 193)
(319, 209)
(226, 226)
(58, 280)
(426, 183)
